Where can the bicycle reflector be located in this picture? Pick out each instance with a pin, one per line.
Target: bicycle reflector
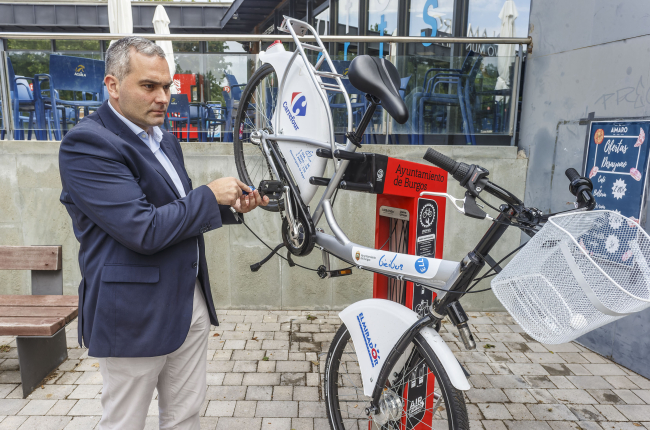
(322, 272)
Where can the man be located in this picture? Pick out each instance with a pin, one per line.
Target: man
(145, 305)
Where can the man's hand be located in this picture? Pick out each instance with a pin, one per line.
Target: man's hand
(247, 203)
(228, 191)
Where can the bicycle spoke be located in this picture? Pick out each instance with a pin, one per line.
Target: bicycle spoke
(255, 114)
(352, 402)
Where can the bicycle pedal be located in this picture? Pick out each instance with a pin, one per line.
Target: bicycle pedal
(272, 189)
(342, 272)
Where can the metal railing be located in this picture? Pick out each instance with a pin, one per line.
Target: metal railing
(261, 38)
(270, 38)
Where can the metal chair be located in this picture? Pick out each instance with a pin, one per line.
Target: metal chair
(462, 80)
(214, 114)
(358, 106)
(178, 111)
(20, 100)
(404, 82)
(231, 99)
(73, 74)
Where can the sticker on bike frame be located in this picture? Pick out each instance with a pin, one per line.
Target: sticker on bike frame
(404, 264)
(373, 352)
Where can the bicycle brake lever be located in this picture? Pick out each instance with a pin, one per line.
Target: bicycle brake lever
(469, 208)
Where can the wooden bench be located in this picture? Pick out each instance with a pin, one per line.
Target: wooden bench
(38, 321)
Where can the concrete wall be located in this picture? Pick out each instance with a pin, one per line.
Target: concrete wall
(590, 59)
(30, 214)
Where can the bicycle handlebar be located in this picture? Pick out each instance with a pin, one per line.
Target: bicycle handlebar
(579, 186)
(459, 171)
(572, 174)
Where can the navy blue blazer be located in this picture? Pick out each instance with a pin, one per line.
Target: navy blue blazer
(137, 238)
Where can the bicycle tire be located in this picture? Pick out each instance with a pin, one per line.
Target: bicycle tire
(454, 402)
(252, 165)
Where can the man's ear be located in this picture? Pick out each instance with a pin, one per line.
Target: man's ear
(113, 86)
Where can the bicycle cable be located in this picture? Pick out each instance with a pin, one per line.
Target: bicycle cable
(275, 251)
(492, 268)
(510, 224)
(486, 275)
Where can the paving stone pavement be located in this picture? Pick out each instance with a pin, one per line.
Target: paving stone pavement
(264, 372)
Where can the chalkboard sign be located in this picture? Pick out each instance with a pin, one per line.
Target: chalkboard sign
(617, 164)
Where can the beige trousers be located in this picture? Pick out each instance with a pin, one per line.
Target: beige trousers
(180, 378)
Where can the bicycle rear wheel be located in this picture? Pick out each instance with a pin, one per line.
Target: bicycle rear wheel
(255, 113)
(420, 395)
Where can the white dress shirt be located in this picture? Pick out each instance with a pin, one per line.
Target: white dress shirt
(152, 139)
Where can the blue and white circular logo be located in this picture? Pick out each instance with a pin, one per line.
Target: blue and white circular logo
(422, 265)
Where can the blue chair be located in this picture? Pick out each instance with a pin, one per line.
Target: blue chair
(178, 111)
(74, 74)
(197, 118)
(14, 100)
(358, 106)
(404, 82)
(23, 100)
(39, 119)
(27, 105)
(231, 99)
(214, 114)
(462, 80)
(416, 121)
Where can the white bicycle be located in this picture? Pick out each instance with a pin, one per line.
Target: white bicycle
(386, 367)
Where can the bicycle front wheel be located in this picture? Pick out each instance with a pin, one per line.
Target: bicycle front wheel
(255, 113)
(418, 395)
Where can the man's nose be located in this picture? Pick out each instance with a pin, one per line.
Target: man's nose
(161, 97)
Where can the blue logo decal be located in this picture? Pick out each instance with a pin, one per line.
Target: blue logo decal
(299, 104)
(290, 115)
(373, 352)
(422, 265)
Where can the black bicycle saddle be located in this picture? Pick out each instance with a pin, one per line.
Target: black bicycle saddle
(380, 78)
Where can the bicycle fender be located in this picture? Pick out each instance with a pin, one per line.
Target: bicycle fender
(447, 358)
(375, 326)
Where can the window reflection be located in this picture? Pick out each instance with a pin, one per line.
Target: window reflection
(382, 17)
(348, 19)
(484, 17)
(322, 22)
(431, 17)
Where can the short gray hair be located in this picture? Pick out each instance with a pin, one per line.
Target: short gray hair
(118, 55)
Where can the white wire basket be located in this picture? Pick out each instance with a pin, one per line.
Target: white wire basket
(581, 271)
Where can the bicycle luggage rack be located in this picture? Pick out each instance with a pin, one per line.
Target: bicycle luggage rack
(296, 28)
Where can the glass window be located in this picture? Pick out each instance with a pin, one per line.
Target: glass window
(348, 17)
(484, 17)
(322, 21)
(29, 45)
(77, 45)
(30, 63)
(431, 17)
(382, 17)
(228, 47)
(186, 46)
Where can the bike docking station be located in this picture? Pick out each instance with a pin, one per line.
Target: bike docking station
(409, 223)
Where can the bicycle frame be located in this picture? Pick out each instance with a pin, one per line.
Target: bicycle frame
(393, 326)
(438, 273)
(401, 322)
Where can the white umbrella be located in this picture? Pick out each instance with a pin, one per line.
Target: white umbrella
(508, 15)
(120, 19)
(161, 26)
